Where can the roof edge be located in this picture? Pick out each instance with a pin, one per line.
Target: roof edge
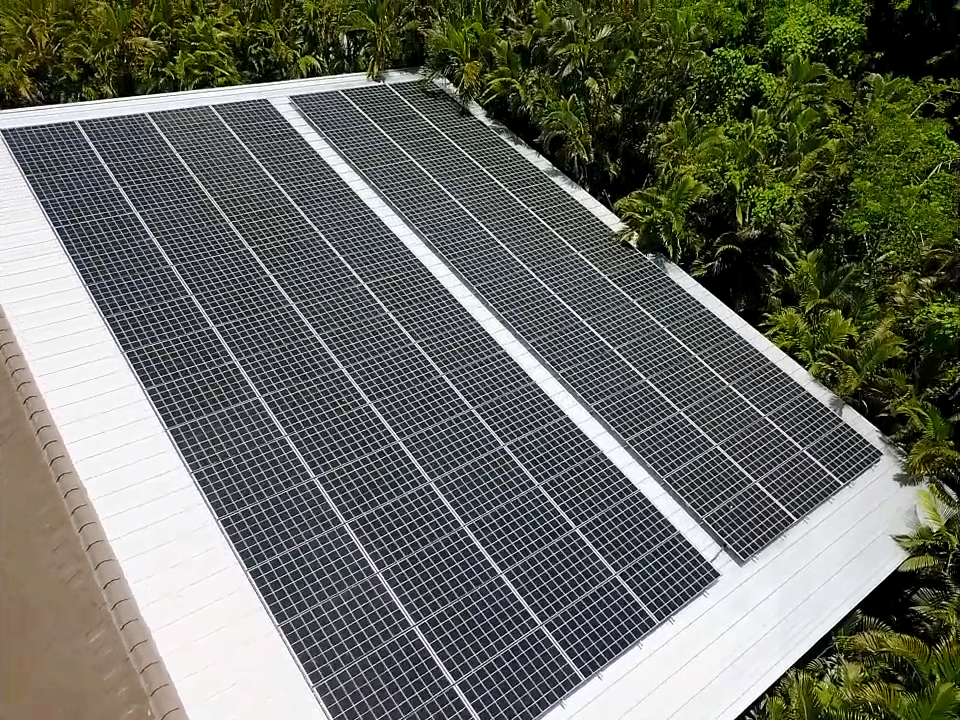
(142, 652)
(134, 104)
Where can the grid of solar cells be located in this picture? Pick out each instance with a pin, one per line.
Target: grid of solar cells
(491, 386)
(348, 473)
(742, 445)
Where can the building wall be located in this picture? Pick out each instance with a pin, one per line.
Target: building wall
(61, 655)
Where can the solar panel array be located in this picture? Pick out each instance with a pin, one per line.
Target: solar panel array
(432, 535)
(739, 443)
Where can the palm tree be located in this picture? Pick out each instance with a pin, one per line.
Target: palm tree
(105, 49)
(933, 456)
(815, 340)
(383, 24)
(659, 220)
(801, 83)
(934, 544)
(507, 81)
(916, 679)
(742, 265)
(806, 694)
(587, 52)
(685, 143)
(817, 285)
(865, 374)
(566, 133)
(205, 57)
(27, 45)
(457, 48)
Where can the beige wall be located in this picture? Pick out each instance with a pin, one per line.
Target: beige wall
(61, 655)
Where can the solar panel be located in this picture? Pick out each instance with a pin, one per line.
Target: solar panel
(431, 534)
(691, 397)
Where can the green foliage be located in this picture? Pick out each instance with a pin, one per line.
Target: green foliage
(204, 57)
(904, 187)
(456, 50)
(657, 220)
(99, 48)
(828, 32)
(937, 323)
(382, 23)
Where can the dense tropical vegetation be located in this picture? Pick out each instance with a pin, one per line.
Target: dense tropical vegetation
(799, 157)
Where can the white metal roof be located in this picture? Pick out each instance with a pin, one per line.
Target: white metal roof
(221, 648)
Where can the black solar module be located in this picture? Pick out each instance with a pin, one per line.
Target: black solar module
(432, 535)
(739, 442)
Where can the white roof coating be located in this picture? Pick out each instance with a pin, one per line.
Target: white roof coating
(221, 648)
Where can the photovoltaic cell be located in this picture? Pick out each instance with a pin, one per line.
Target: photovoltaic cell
(418, 517)
(609, 607)
(439, 574)
(678, 386)
(520, 682)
